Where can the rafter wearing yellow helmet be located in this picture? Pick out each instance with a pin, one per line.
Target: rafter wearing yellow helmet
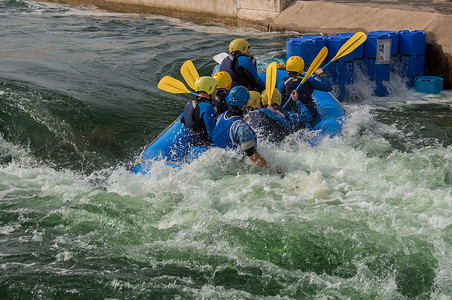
(242, 67)
(224, 85)
(269, 121)
(294, 67)
(199, 114)
(295, 64)
(224, 80)
(239, 45)
(276, 98)
(255, 101)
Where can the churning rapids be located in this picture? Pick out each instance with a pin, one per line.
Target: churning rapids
(364, 216)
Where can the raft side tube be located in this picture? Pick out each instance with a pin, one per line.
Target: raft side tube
(331, 114)
(171, 145)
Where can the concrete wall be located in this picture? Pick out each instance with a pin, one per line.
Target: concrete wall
(214, 7)
(225, 8)
(266, 5)
(251, 13)
(262, 11)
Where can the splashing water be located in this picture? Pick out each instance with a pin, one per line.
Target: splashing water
(362, 216)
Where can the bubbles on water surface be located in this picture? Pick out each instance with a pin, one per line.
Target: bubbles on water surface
(365, 215)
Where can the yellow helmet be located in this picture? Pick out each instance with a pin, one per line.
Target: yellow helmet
(239, 45)
(224, 80)
(295, 64)
(276, 98)
(205, 84)
(255, 97)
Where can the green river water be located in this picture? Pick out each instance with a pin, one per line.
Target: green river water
(367, 215)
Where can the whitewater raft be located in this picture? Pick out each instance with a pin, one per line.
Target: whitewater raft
(172, 146)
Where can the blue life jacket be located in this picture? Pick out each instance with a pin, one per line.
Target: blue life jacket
(222, 132)
(267, 127)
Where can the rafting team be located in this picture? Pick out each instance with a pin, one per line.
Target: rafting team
(232, 104)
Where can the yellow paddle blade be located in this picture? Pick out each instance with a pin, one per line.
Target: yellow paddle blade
(172, 85)
(270, 80)
(316, 63)
(189, 73)
(350, 45)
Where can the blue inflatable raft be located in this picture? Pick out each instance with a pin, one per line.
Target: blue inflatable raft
(171, 145)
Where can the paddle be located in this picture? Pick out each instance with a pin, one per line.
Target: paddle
(354, 42)
(189, 73)
(172, 85)
(314, 66)
(220, 57)
(270, 81)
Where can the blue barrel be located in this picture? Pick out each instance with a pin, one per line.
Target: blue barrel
(380, 89)
(320, 41)
(387, 34)
(342, 93)
(412, 42)
(341, 72)
(429, 84)
(358, 53)
(370, 46)
(394, 37)
(412, 52)
(377, 71)
(412, 65)
(305, 48)
(334, 43)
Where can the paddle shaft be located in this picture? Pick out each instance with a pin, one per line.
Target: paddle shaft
(325, 66)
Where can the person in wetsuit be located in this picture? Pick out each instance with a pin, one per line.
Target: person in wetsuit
(273, 123)
(224, 85)
(254, 102)
(199, 113)
(242, 66)
(233, 133)
(294, 67)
